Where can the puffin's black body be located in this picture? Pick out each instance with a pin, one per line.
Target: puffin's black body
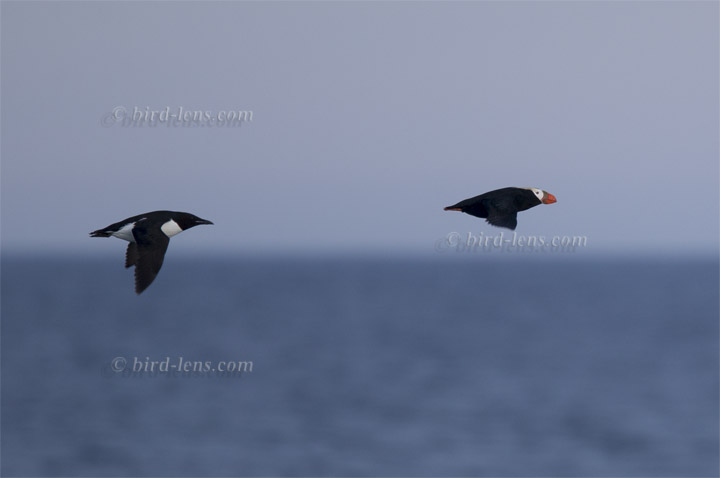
(149, 236)
(500, 207)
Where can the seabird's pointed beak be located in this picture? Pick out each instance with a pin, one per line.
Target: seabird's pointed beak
(204, 221)
(549, 198)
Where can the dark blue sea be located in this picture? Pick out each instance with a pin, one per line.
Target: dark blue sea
(367, 366)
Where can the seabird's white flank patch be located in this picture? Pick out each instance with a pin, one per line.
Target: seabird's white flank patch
(125, 233)
(170, 228)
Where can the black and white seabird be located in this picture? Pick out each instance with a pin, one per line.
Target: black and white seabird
(149, 235)
(500, 207)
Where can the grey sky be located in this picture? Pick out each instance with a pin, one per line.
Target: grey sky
(368, 119)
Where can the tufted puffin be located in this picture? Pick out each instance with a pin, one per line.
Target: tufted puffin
(500, 207)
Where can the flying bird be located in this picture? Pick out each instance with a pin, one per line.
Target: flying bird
(149, 235)
(500, 207)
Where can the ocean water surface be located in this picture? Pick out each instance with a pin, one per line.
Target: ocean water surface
(361, 367)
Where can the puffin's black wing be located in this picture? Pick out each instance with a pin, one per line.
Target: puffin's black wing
(148, 255)
(131, 255)
(507, 220)
(502, 211)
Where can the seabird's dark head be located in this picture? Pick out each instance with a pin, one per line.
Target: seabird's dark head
(186, 220)
(544, 196)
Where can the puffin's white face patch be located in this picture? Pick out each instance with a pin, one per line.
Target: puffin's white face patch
(170, 228)
(126, 232)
